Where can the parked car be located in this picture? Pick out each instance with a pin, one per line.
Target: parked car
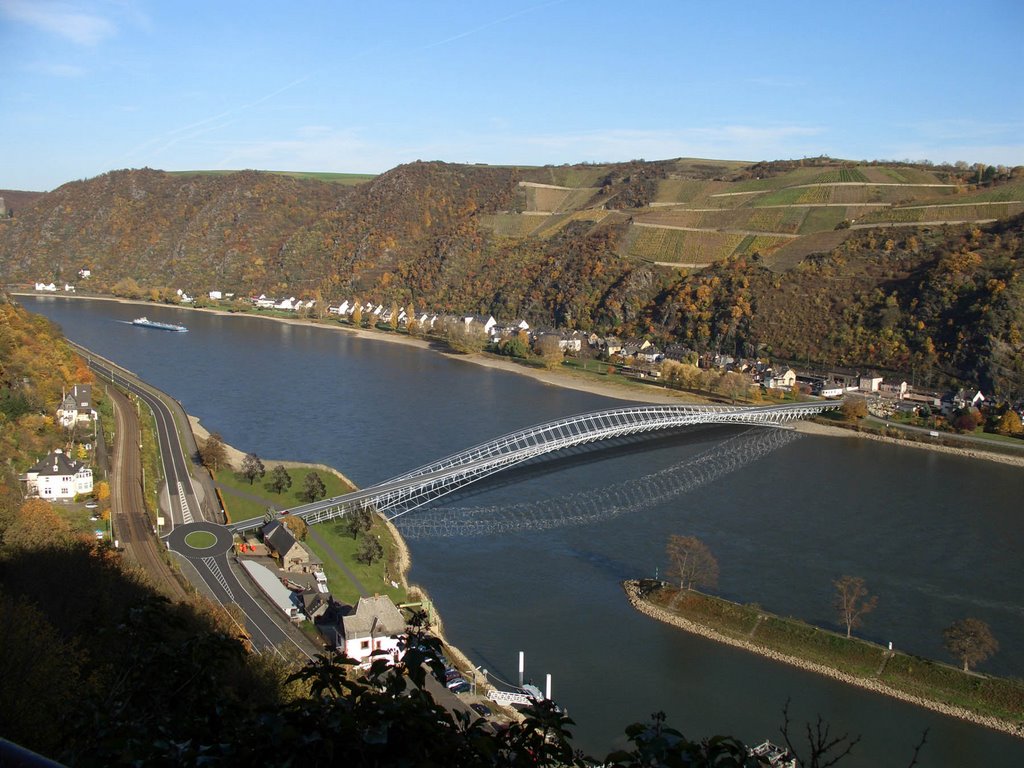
(458, 685)
(481, 709)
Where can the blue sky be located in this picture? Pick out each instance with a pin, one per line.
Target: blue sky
(96, 85)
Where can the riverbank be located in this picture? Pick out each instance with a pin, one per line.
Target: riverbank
(398, 567)
(879, 670)
(826, 430)
(644, 393)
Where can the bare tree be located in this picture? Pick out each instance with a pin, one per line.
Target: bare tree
(252, 467)
(213, 453)
(852, 601)
(691, 562)
(970, 640)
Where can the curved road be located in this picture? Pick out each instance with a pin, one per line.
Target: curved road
(128, 510)
(185, 512)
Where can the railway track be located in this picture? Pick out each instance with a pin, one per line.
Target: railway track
(131, 522)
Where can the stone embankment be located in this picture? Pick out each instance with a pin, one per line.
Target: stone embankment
(637, 601)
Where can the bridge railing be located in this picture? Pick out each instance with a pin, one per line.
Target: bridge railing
(431, 481)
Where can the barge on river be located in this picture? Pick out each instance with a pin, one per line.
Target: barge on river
(144, 322)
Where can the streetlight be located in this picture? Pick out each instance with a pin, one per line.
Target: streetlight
(478, 671)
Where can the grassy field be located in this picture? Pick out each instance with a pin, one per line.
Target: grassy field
(241, 507)
(925, 678)
(376, 578)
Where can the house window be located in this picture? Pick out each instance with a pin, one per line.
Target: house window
(365, 645)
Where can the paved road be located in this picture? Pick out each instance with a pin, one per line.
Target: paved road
(185, 512)
(129, 519)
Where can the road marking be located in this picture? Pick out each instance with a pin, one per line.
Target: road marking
(214, 567)
(186, 515)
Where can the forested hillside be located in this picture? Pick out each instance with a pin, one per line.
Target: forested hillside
(912, 269)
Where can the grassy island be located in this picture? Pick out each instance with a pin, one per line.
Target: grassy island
(991, 701)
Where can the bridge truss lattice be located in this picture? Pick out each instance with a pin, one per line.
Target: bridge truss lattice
(425, 484)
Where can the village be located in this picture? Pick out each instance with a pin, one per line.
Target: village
(286, 571)
(675, 365)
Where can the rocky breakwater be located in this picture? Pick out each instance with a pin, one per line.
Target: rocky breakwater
(637, 600)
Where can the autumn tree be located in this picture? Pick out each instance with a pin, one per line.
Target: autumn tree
(36, 525)
(280, 480)
(357, 315)
(213, 453)
(549, 349)
(252, 467)
(1009, 424)
(394, 316)
(411, 323)
(970, 640)
(854, 408)
(313, 488)
(296, 526)
(852, 601)
(691, 562)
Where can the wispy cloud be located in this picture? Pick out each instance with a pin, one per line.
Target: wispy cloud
(67, 20)
(57, 70)
(310, 148)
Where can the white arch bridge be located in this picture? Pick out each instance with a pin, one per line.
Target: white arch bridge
(423, 485)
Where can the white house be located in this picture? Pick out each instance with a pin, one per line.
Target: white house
(286, 304)
(51, 287)
(781, 379)
(57, 476)
(76, 407)
(85, 273)
(69, 288)
(376, 625)
(831, 389)
(342, 310)
(263, 302)
(216, 295)
(479, 322)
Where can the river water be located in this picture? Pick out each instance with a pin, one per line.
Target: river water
(533, 560)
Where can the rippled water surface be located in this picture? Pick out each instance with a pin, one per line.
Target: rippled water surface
(533, 560)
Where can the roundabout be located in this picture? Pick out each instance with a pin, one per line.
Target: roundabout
(200, 540)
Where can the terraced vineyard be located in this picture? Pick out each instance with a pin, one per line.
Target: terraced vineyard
(681, 190)
(840, 175)
(511, 224)
(821, 219)
(674, 246)
(703, 218)
(943, 213)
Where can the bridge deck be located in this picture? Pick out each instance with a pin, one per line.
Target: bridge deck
(426, 483)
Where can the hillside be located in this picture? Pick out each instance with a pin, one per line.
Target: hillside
(720, 255)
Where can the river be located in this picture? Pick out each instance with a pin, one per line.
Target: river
(533, 561)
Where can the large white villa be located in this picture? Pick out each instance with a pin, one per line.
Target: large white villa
(58, 476)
